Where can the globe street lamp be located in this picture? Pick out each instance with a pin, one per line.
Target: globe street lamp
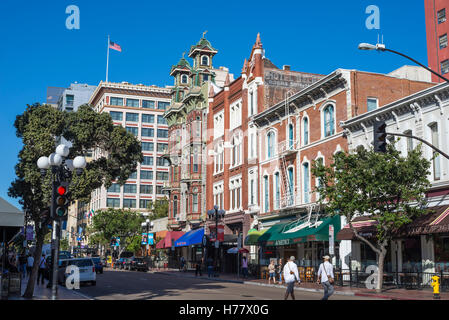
(381, 47)
(61, 173)
(148, 225)
(216, 214)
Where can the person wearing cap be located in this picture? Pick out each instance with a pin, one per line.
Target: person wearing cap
(325, 277)
(290, 277)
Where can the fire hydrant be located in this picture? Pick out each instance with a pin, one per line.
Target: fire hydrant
(436, 287)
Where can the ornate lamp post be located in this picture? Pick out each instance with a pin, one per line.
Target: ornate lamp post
(216, 214)
(61, 171)
(147, 225)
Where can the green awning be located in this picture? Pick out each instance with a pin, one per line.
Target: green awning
(276, 235)
(253, 235)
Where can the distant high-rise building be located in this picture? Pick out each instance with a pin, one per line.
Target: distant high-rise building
(74, 96)
(53, 95)
(437, 29)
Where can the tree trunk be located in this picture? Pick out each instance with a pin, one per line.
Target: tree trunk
(29, 291)
(380, 270)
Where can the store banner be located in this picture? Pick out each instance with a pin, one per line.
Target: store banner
(213, 233)
(331, 240)
(144, 238)
(30, 233)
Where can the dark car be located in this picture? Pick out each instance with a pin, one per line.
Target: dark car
(138, 264)
(98, 264)
(120, 263)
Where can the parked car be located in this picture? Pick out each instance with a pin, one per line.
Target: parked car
(127, 264)
(138, 264)
(86, 270)
(98, 264)
(120, 263)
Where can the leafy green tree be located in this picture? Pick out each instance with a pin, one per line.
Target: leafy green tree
(387, 186)
(158, 209)
(38, 127)
(64, 244)
(113, 223)
(134, 243)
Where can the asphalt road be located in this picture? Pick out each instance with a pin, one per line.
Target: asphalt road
(135, 285)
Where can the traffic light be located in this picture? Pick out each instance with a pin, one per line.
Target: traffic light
(62, 200)
(380, 136)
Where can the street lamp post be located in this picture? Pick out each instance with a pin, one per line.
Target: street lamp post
(381, 47)
(61, 170)
(148, 225)
(216, 214)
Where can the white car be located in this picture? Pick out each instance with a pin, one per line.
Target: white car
(86, 269)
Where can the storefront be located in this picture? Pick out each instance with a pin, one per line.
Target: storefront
(168, 245)
(190, 245)
(307, 241)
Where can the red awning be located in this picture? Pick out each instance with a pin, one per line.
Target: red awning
(365, 226)
(167, 241)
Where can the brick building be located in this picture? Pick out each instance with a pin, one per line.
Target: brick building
(297, 131)
(232, 165)
(140, 110)
(437, 30)
(186, 118)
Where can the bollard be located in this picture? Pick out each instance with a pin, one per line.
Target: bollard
(436, 287)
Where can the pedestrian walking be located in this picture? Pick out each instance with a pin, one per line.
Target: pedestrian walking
(23, 264)
(42, 269)
(210, 267)
(326, 277)
(280, 271)
(272, 272)
(291, 276)
(30, 262)
(182, 264)
(244, 267)
(198, 269)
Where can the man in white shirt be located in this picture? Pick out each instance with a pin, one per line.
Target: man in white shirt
(325, 272)
(30, 262)
(290, 277)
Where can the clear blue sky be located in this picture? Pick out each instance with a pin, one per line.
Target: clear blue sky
(314, 36)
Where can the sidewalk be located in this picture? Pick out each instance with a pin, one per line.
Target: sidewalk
(41, 292)
(390, 294)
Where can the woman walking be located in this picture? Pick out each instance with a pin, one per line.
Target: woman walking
(280, 271)
(272, 272)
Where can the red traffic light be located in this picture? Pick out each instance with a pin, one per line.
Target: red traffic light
(61, 190)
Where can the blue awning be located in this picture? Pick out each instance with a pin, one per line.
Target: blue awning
(190, 238)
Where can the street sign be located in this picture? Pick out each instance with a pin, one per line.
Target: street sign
(331, 240)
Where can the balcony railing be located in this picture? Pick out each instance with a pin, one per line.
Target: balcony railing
(287, 147)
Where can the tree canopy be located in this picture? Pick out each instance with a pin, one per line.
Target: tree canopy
(388, 187)
(40, 127)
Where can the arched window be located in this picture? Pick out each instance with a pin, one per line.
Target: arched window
(270, 144)
(204, 60)
(266, 199)
(277, 191)
(290, 135)
(290, 187)
(305, 169)
(329, 126)
(184, 79)
(305, 130)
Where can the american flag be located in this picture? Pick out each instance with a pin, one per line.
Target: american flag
(115, 46)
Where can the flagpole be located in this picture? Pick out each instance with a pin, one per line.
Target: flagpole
(107, 61)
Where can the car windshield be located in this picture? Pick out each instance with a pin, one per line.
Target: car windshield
(82, 262)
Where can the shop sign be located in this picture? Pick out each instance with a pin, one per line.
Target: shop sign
(311, 237)
(298, 240)
(282, 242)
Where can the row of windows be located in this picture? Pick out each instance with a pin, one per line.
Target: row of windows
(149, 146)
(147, 132)
(134, 117)
(148, 104)
(129, 203)
(161, 162)
(144, 188)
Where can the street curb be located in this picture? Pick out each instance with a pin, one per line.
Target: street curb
(266, 285)
(85, 296)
